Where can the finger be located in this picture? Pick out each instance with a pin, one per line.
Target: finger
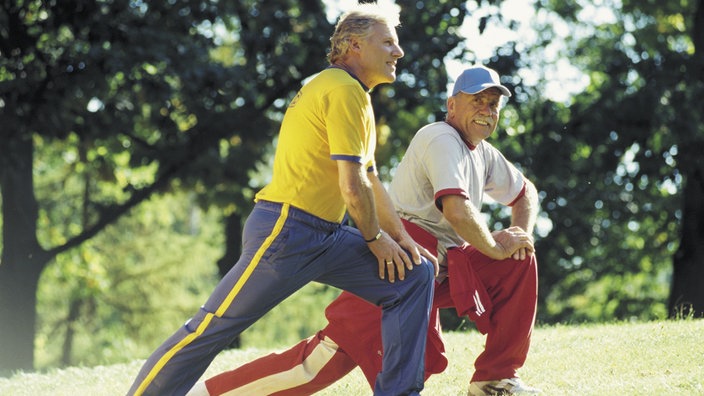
(382, 269)
(415, 253)
(399, 264)
(407, 261)
(530, 252)
(389, 264)
(526, 243)
(425, 253)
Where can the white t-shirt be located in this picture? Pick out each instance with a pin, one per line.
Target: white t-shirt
(438, 162)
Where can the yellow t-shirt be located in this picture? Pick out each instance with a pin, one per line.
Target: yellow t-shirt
(330, 119)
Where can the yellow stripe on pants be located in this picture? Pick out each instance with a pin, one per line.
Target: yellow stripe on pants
(223, 306)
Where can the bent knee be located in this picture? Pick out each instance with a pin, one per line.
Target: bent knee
(425, 271)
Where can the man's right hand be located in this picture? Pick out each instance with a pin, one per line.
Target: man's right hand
(514, 242)
(393, 259)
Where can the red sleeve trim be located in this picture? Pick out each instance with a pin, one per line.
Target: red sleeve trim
(520, 194)
(448, 191)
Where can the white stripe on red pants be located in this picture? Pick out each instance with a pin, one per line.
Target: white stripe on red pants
(308, 367)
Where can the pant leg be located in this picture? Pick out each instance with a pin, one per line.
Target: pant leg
(279, 257)
(318, 362)
(405, 313)
(306, 368)
(513, 288)
(283, 251)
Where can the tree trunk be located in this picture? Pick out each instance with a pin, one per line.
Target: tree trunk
(233, 249)
(22, 258)
(687, 293)
(74, 312)
(233, 244)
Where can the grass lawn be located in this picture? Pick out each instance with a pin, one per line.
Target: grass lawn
(654, 358)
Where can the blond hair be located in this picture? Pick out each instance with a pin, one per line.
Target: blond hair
(357, 24)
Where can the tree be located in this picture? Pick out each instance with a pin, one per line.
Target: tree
(151, 97)
(134, 83)
(687, 295)
(619, 166)
(118, 294)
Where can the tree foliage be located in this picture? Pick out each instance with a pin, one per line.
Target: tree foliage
(134, 88)
(123, 291)
(618, 165)
(146, 97)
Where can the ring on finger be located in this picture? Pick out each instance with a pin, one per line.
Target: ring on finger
(389, 261)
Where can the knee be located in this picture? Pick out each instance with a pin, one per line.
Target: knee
(423, 272)
(428, 271)
(419, 280)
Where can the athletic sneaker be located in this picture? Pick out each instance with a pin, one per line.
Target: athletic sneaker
(507, 386)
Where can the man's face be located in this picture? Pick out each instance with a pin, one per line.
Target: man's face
(474, 116)
(378, 55)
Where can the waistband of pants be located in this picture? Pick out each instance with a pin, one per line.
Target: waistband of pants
(298, 215)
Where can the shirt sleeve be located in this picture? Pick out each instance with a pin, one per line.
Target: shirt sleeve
(442, 159)
(505, 183)
(347, 124)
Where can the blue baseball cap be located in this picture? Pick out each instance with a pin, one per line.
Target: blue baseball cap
(476, 79)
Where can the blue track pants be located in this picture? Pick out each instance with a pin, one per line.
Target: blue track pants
(283, 249)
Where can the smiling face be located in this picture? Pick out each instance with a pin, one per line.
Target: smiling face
(376, 55)
(474, 116)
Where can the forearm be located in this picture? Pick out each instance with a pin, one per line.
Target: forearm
(389, 220)
(466, 220)
(358, 193)
(361, 190)
(524, 212)
(475, 232)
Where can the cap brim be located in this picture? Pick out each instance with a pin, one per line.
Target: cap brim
(483, 87)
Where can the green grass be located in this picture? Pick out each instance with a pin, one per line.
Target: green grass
(654, 358)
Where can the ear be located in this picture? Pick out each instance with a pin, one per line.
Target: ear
(450, 105)
(355, 45)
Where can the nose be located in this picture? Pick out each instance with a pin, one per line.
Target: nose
(398, 52)
(487, 108)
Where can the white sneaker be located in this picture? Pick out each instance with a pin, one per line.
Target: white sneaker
(507, 386)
